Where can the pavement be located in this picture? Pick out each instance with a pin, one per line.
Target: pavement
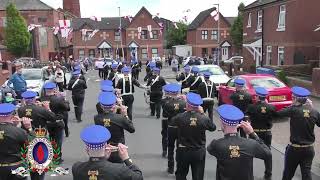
(145, 144)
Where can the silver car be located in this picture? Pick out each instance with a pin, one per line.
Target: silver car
(218, 75)
(34, 79)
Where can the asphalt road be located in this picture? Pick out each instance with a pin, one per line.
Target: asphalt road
(145, 144)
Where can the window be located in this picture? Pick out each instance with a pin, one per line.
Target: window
(92, 53)
(155, 34)
(144, 53)
(3, 22)
(154, 52)
(81, 53)
(269, 55)
(268, 82)
(144, 34)
(42, 20)
(259, 24)
(280, 55)
(214, 35)
(249, 20)
(117, 36)
(204, 34)
(282, 18)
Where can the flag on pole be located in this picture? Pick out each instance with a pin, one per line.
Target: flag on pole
(139, 32)
(161, 28)
(95, 18)
(64, 27)
(93, 33)
(150, 31)
(70, 34)
(129, 18)
(215, 15)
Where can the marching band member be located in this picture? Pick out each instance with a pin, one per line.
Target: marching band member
(194, 80)
(192, 126)
(98, 167)
(156, 82)
(115, 123)
(113, 74)
(126, 85)
(235, 154)
(184, 77)
(12, 139)
(172, 105)
(207, 91)
(303, 119)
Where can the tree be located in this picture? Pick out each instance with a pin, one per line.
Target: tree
(177, 36)
(237, 28)
(17, 37)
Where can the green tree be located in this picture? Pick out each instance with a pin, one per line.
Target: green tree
(177, 36)
(17, 37)
(237, 28)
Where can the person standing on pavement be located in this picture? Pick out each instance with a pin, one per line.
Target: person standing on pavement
(95, 138)
(184, 77)
(192, 126)
(235, 154)
(174, 65)
(59, 77)
(126, 85)
(12, 140)
(195, 80)
(156, 82)
(241, 98)
(77, 86)
(261, 115)
(207, 91)
(115, 123)
(172, 105)
(303, 118)
(18, 81)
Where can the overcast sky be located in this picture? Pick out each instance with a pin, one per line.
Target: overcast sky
(170, 9)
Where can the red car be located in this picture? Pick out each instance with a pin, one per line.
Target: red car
(279, 94)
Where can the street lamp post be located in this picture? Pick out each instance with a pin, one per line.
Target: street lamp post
(218, 60)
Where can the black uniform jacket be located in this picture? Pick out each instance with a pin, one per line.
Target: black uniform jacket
(207, 90)
(185, 79)
(192, 128)
(39, 115)
(241, 100)
(171, 107)
(302, 121)
(194, 82)
(111, 77)
(235, 156)
(101, 168)
(127, 84)
(11, 140)
(148, 76)
(79, 88)
(261, 115)
(116, 124)
(156, 87)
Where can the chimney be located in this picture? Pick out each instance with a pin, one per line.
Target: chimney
(73, 6)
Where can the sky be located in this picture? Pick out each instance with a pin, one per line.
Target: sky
(169, 9)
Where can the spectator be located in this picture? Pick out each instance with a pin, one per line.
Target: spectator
(47, 72)
(18, 81)
(175, 65)
(59, 77)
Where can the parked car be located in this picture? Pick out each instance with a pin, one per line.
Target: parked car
(279, 94)
(34, 79)
(218, 75)
(234, 60)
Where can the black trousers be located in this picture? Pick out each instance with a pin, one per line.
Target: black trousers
(36, 176)
(5, 173)
(78, 105)
(101, 73)
(155, 108)
(60, 86)
(164, 133)
(298, 156)
(66, 121)
(266, 137)
(172, 137)
(128, 101)
(208, 108)
(187, 157)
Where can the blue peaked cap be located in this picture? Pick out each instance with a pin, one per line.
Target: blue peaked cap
(49, 85)
(106, 88)
(107, 99)
(95, 136)
(194, 99)
(300, 91)
(230, 114)
(106, 83)
(7, 109)
(29, 95)
(262, 92)
(172, 88)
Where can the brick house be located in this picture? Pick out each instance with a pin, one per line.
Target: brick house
(36, 12)
(203, 33)
(109, 42)
(281, 32)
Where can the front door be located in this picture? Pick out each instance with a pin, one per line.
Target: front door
(106, 52)
(225, 54)
(134, 53)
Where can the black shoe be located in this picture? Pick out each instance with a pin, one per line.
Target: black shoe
(267, 178)
(164, 154)
(151, 114)
(79, 121)
(170, 170)
(158, 117)
(67, 134)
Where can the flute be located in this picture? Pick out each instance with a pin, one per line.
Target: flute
(115, 149)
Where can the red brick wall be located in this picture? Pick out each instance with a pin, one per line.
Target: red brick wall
(72, 6)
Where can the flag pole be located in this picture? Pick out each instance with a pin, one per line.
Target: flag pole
(121, 35)
(218, 35)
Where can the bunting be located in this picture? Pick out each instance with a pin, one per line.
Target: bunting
(215, 15)
(150, 31)
(64, 27)
(93, 33)
(161, 28)
(139, 32)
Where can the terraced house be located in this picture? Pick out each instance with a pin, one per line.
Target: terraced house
(281, 32)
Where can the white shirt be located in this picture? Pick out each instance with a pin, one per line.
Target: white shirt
(59, 78)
